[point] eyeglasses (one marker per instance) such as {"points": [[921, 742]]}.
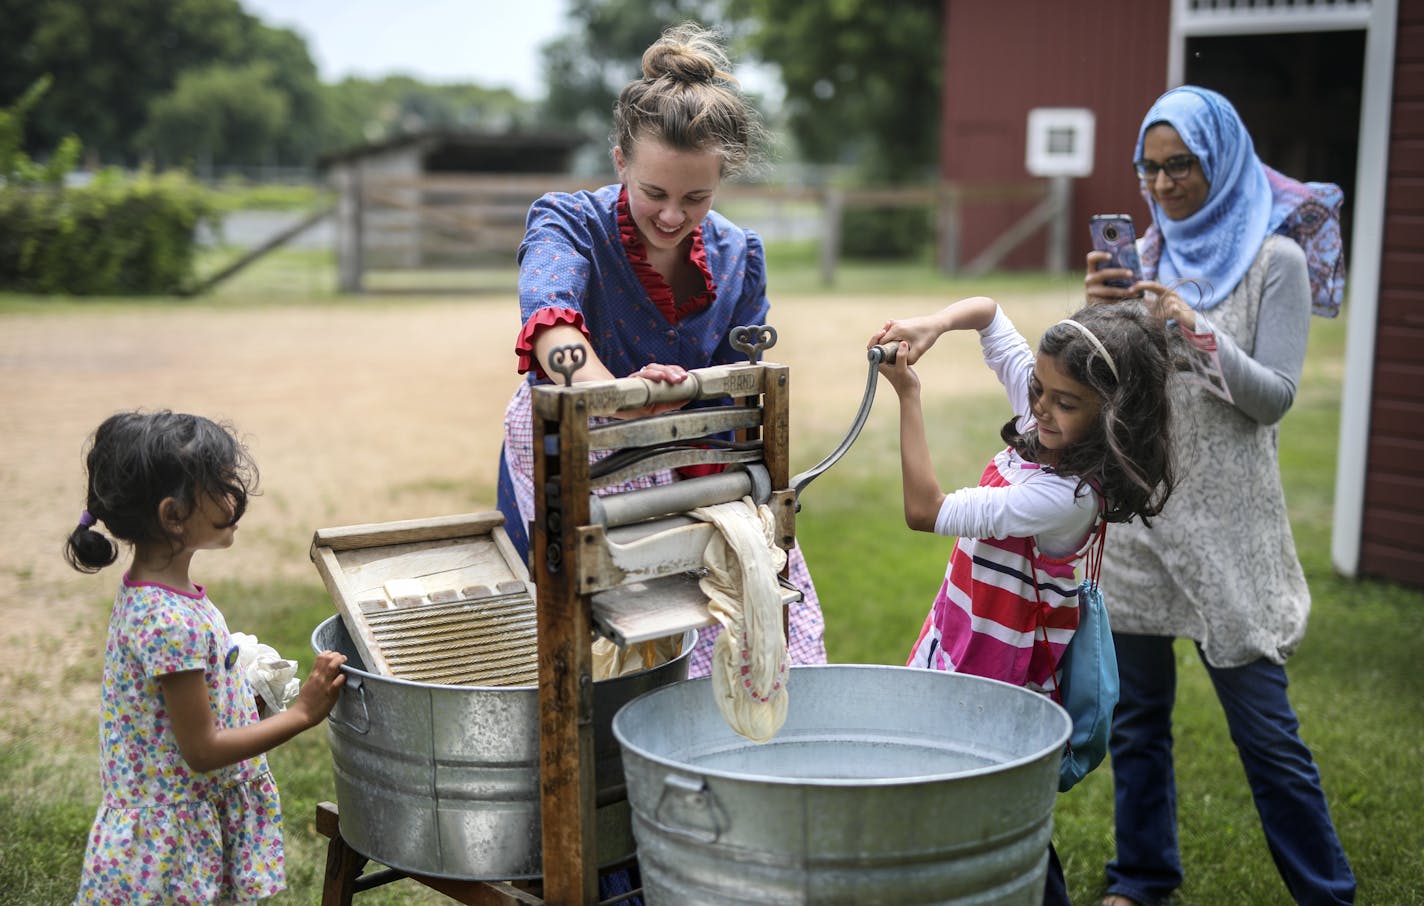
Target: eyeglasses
{"points": [[1176, 168]]}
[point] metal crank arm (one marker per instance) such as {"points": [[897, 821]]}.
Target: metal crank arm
{"points": [[878, 355]]}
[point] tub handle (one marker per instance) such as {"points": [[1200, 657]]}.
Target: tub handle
{"points": [[687, 808], [353, 682]]}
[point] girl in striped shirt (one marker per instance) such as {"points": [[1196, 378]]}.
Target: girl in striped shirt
{"points": [[1088, 445]]}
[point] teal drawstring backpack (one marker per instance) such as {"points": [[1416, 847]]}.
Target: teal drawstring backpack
{"points": [[1087, 686]]}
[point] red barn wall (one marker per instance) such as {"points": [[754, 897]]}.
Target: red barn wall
{"points": [[1004, 59], [1392, 535]]}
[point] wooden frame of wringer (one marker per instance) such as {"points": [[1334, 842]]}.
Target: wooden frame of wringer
{"points": [[624, 564]]}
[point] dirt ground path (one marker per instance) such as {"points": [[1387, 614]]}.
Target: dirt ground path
{"points": [[360, 412]]}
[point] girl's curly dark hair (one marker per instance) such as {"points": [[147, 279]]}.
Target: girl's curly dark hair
{"points": [[1128, 455], [135, 460]]}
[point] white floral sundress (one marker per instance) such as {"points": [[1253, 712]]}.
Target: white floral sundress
{"points": [[165, 833]]}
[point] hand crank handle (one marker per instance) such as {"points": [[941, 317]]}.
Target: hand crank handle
{"points": [[877, 355], [885, 353]]}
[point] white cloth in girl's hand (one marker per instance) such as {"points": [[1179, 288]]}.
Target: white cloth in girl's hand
{"points": [[749, 660], [272, 677]]}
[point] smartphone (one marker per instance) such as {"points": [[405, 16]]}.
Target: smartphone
{"points": [[1113, 233]]}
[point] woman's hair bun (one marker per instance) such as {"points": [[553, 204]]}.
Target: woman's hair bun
{"points": [[678, 64], [687, 99], [686, 53]]}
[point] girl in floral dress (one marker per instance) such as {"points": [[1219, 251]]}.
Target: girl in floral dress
{"points": [[190, 813]]}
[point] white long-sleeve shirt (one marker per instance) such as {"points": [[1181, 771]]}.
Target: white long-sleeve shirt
{"points": [[1044, 504]]}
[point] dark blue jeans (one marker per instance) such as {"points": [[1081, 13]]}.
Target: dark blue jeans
{"points": [[1284, 781], [1055, 885]]}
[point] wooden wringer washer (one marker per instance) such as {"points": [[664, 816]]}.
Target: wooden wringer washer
{"points": [[625, 565]]}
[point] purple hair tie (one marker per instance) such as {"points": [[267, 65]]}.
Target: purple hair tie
{"points": [[86, 519]]}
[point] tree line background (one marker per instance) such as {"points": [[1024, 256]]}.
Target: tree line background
{"points": [[206, 86]]}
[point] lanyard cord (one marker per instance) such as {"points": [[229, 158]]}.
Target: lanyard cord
{"points": [[1093, 556]]}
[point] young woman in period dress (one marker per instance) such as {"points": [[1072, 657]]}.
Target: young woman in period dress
{"points": [[646, 275]]}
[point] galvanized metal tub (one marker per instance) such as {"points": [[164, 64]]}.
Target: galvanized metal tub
{"points": [[886, 785], [444, 780]]}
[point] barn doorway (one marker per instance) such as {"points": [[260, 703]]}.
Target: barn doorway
{"points": [[1299, 94]]}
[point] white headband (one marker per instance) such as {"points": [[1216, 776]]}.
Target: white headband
{"points": [[1097, 344]]}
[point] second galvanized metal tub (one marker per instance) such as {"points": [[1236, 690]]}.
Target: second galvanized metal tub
{"points": [[886, 785], [444, 780]]}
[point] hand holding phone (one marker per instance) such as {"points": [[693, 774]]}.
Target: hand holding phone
{"points": [[1113, 233]]}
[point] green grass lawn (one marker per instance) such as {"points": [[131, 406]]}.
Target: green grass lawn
{"points": [[1355, 683]]}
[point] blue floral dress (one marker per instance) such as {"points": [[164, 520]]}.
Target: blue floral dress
{"points": [[165, 833]]}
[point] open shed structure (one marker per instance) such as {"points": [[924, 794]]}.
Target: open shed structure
{"points": [[441, 200], [1332, 90]]}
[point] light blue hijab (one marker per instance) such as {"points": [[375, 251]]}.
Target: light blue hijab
{"points": [[1216, 245]]}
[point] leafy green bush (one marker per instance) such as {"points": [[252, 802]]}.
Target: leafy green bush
{"points": [[115, 236], [16, 168], [887, 233]]}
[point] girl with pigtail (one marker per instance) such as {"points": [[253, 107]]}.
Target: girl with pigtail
{"points": [[190, 812]]}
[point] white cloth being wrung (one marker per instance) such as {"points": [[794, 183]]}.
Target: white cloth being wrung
{"points": [[749, 659], [271, 676]]}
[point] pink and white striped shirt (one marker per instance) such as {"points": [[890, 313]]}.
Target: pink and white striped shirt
{"points": [[1023, 525]]}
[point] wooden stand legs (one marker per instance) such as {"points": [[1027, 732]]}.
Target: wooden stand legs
{"points": [[344, 877]]}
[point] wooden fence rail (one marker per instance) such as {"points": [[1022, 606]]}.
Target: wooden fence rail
{"points": [[435, 221]]}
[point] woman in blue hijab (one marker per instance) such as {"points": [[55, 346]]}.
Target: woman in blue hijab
{"points": [[1235, 260]]}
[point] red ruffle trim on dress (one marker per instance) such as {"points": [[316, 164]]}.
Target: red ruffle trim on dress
{"points": [[544, 317], [653, 283], [701, 469]]}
